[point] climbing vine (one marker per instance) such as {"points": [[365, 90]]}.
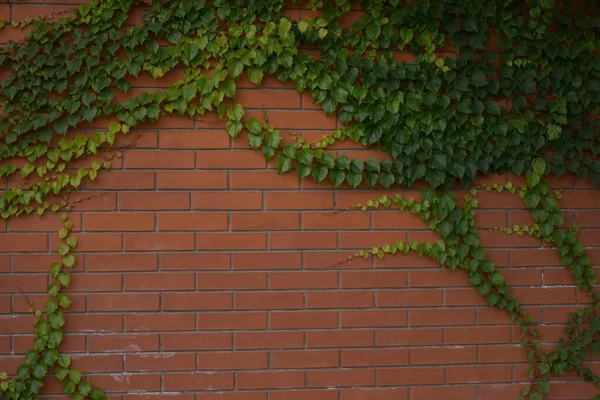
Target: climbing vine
{"points": [[494, 87]]}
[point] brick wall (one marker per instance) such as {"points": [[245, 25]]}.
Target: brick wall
{"points": [[202, 275]]}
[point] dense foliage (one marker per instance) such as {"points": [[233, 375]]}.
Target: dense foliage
{"points": [[494, 86]]}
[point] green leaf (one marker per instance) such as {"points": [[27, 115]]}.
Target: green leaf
{"points": [[234, 127], [255, 75], [543, 386], [283, 163], [539, 166], [373, 165], [254, 126], [50, 356], [302, 26], [75, 375], [235, 112], [304, 170], [337, 177], [319, 172], [64, 360], [532, 199], [305, 156], [373, 31], [478, 79], [354, 179]]}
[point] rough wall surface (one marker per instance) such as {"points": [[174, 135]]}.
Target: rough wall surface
{"points": [[202, 274]]}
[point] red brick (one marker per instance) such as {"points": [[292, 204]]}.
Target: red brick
{"points": [[305, 359], [269, 301], [160, 322], [537, 257], [303, 280], [444, 355], [341, 378], [559, 295], [339, 338], [171, 139], [93, 242], [196, 341], [410, 337], [265, 221], [375, 394], [162, 396], [191, 180], [374, 358], [501, 354], [409, 298], [481, 373], [373, 318], [25, 282], [194, 261], [232, 241], [373, 279], [262, 180], [123, 302], [500, 391], [160, 281], [299, 201], [477, 335], [301, 120], [163, 159], [198, 381], [133, 343], [118, 180], [303, 320], [442, 316], [588, 218], [45, 223], [117, 222], [21, 12], [441, 278], [127, 382], [232, 281], [269, 380], [340, 299], [227, 201], [233, 361], [303, 240], [192, 221], [154, 201], [335, 221], [267, 260], [121, 262], [160, 362], [197, 301], [159, 241], [232, 320], [234, 396], [93, 323], [4, 263], [500, 239], [334, 259], [230, 159], [269, 340], [399, 220], [443, 393], [25, 242], [580, 199], [99, 362], [367, 240]]}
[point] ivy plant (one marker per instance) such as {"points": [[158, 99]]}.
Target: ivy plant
{"points": [[494, 87]]}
